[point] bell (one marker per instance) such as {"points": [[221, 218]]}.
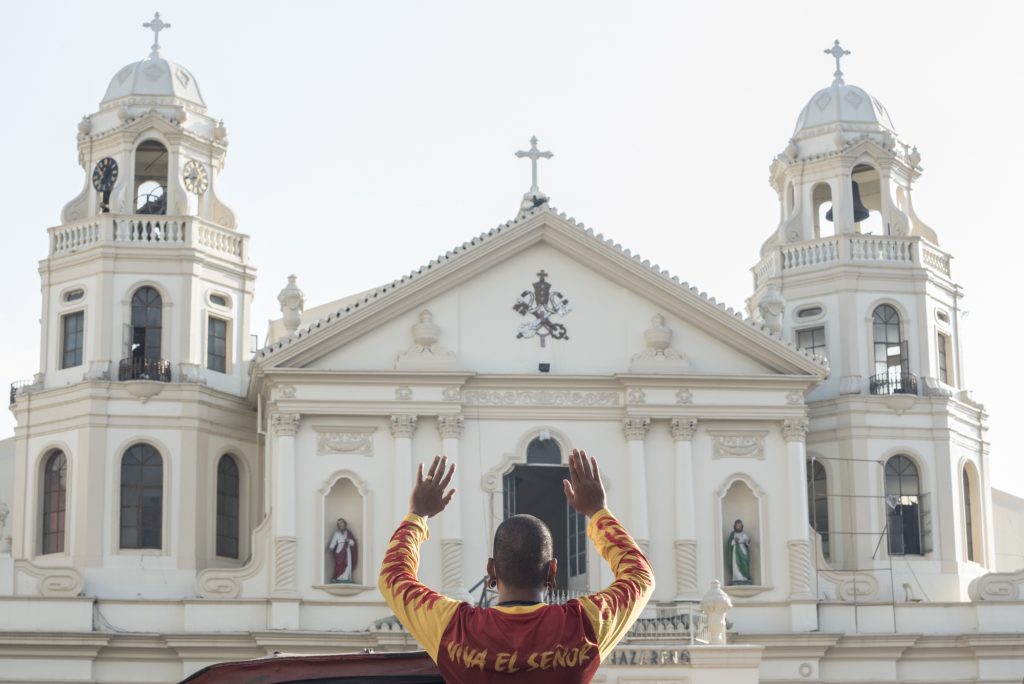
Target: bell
{"points": [[860, 212]]}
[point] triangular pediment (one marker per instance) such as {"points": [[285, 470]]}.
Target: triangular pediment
{"points": [[478, 309]]}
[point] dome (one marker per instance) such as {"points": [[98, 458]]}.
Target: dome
{"points": [[844, 106], [154, 77]]}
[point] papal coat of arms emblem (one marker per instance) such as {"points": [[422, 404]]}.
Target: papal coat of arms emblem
{"points": [[540, 306]]}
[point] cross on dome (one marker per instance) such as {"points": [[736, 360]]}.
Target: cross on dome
{"points": [[837, 53], [533, 154], [156, 25]]}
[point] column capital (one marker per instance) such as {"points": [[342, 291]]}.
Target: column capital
{"points": [[683, 429], [285, 424], [450, 426], [403, 425], [635, 427], [795, 429]]}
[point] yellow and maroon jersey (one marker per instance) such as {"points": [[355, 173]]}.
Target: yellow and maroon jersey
{"points": [[539, 643]]}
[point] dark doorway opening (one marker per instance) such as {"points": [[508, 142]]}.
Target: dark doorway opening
{"points": [[536, 488]]}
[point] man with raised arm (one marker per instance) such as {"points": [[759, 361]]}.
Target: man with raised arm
{"points": [[521, 638]]}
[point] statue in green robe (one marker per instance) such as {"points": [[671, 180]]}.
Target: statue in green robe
{"points": [[737, 555]]}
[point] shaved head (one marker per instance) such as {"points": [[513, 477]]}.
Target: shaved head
{"points": [[522, 551]]}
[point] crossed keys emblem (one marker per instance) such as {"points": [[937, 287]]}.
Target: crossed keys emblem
{"points": [[542, 304]]}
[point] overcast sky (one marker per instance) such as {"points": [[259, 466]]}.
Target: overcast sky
{"points": [[367, 138]]}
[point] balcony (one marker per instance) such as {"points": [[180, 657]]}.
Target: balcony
{"points": [[148, 232], [893, 383], [17, 385], [856, 249], [144, 369]]}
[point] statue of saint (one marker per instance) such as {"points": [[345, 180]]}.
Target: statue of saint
{"points": [[346, 552], [737, 554]]}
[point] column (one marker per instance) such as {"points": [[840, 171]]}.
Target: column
{"points": [[284, 426], [452, 577], [402, 429], [635, 430], [685, 510], [795, 433]]}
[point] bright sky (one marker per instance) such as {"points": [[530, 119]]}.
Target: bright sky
{"points": [[367, 138]]}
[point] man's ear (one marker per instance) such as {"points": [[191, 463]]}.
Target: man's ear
{"points": [[552, 578], [492, 575]]}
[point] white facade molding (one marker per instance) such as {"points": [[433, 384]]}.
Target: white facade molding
{"points": [[350, 440], [738, 443]]}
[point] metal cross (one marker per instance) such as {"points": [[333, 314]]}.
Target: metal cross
{"points": [[156, 25], [533, 154], [837, 53]]}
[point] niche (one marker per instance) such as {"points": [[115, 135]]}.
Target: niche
{"points": [[741, 503], [344, 500]]}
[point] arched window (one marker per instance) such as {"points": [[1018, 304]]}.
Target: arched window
{"points": [[543, 451], [227, 506], [151, 178], [147, 322], [892, 362], [817, 502], [968, 515], [142, 498], [55, 488], [903, 502]]}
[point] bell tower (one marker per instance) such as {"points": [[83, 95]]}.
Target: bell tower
{"points": [[146, 298], [853, 274]]}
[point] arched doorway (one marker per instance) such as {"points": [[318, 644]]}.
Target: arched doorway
{"points": [[536, 488]]}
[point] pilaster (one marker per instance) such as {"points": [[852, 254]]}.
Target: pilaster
{"points": [[635, 429], [685, 541], [453, 580], [284, 426], [794, 431], [403, 427]]}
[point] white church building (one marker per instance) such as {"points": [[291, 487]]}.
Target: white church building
{"points": [[168, 497]]}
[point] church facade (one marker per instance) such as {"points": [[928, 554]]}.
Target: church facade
{"points": [[177, 500]]}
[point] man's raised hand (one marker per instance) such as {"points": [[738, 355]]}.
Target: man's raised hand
{"points": [[584, 489], [428, 494]]}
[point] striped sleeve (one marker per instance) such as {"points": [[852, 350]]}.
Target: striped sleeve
{"points": [[614, 610], [422, 611]]}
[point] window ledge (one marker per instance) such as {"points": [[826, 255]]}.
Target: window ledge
{"points": [[343, 588]]}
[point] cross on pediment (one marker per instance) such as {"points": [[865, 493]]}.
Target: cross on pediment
{"points": [[837, 53], [156, 25], [533, 154]]}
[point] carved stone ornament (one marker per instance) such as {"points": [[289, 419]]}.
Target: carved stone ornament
{"points": [[292, 301], [539, 307], [684, 396], [450, 427], [425, 351], [636, 395], [540, 398], [403, 393], [737, 443], [452, 393], [795, 398], [998, 586], [659, 356], [772, 307], [403, 426], [285, 424], [795, 429], [683, 429], [635, 427], [716, 604], [285, 392], [345, 441]]}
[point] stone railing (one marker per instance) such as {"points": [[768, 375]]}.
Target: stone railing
{"points": [[851, 249], [690, 625], [147, 231]]}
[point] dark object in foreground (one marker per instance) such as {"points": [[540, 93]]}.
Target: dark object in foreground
{"points": [[393, 668]]}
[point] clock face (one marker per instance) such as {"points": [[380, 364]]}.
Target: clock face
{"points": [[195, 177], [104, 175]]}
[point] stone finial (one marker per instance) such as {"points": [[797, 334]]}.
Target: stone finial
{"points": [[85, 125], [716, 604], [220, 131], [425, 332], [292, 302], [914, 157], [156, 25], [772, 306], [659, 356], [534, 197]]}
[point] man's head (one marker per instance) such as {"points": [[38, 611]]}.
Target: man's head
{"points": [[522, 554], [342, 524]]}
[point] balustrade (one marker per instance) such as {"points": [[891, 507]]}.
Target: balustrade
{"points": [[17, 385], [893, 383], [860, 249], [146, 231]]}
